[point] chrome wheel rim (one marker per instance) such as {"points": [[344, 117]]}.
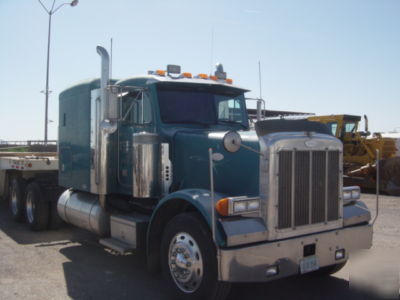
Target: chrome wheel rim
{"points": [[30, 207], [185, 262], [14, 202]]}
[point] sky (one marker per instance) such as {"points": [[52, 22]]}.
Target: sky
{"points": [[317, 56]]}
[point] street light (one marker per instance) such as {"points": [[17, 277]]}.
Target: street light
{"points": [[50, 12]]}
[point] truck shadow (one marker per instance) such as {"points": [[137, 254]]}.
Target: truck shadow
{"points": [[299, 288], [21, 234], [95, 273]]}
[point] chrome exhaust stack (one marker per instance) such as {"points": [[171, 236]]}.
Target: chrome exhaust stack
{"points": [[104, 80], [107, 124]]}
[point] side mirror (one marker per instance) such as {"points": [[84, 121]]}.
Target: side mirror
{"points": [[232, 141]]}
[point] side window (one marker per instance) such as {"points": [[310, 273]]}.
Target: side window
{"points": [[230, 109], [136, 108], [145, 109], [350, 127], [333, 127], [223, 110]]}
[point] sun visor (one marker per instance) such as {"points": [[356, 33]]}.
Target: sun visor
{"points": [[270, 126]]}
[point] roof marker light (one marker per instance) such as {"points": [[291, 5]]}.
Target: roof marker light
{"points": [[160, 72], [187, 75], [202, 76]]}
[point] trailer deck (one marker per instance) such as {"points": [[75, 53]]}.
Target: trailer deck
{"points": [[26, 162]]}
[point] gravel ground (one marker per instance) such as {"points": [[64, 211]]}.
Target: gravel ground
{"points": [[69, 263]]}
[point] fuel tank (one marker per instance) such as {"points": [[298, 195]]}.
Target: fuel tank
{"points": [[83, 210]]}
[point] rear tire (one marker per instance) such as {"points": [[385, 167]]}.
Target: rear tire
{"points": [[37, 208], [17, 198], [189, 261], [55, 221]]}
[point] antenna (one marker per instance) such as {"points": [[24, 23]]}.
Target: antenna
{"points": [[111, 55], [259, 77], [260, 101], [212, 50]]}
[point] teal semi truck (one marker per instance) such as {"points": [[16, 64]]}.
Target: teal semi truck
{"points": [[167, 163]]}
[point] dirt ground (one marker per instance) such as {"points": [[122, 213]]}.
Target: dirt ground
{"points": [[69, 263]]}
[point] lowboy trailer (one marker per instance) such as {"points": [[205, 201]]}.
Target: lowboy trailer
{"points": [[167, 163]]}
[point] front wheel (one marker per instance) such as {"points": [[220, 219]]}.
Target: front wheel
{"points": [[189, 260]]}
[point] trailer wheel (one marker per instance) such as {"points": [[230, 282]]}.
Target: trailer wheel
{"points": [[17, 198], [37, 207], [55, 221], [189, 261]]}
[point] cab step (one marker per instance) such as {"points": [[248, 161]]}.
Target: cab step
{"points": [[128, 233], [117, 245]]}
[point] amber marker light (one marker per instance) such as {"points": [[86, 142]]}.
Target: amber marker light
{"points": [[203, 76], [222, 206], [187, 75], [160, 72]]}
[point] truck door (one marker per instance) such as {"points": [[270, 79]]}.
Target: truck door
{"points": [[135, 116]]}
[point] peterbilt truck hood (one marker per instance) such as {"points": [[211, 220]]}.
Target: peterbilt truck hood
{"points": [[236, 174]]}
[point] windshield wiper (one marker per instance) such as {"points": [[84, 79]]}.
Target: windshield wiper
{"points": [[226, 121]]}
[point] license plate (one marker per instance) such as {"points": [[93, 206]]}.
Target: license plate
{"points": [[308, 264]]}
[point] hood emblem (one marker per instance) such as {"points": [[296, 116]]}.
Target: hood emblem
{"points": [[311, 143], [217, 156]]}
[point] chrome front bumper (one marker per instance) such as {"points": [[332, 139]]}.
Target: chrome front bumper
{"points": [[249, 263]]}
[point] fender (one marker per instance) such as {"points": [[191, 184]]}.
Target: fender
{"points": [[200, 199]]}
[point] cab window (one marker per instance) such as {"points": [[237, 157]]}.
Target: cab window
{"points": [[229, 109], [136, 108], [333, 127], [349, 127]]}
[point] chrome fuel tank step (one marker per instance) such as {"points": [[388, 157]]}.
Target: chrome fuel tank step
{"points": [[129, 229]]}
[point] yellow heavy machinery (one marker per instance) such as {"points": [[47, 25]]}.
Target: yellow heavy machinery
{"points": [[359, 153]]}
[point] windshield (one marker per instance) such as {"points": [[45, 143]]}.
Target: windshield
{"points": [[333, 127], [205, 107], [350, 127]]}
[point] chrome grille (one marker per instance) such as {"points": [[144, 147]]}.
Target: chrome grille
{"points": [[308, 188]]}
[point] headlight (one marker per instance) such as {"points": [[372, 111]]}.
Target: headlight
{"points": [[351, 194], [253, 205], [346, 194], [237, 206], [355, 194]]}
